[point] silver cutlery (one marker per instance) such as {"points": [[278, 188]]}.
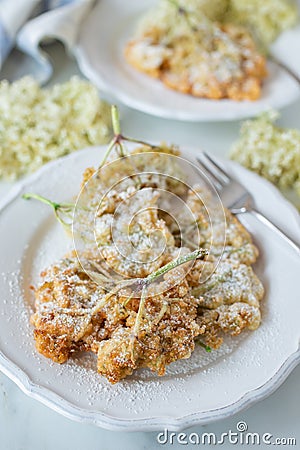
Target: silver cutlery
{"points": [[287, 69], [236, 197]]}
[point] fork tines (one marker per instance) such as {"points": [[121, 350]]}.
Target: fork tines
{"points": [[213, 170]]}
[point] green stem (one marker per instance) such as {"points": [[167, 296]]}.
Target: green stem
{"points": [[138, 141], [64, 208], [142, 283], [119, 138], [121, 149], [42, 199], [175, 3], [110, 147], [140, 312], [162, 312], [127, 300], [188, 15], [115, 118], [183, 12], [197, 254], [207, 348]]}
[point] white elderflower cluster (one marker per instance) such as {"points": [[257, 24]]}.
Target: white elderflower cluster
{"points": [[269, 150], [265, 19], [38, 125]]}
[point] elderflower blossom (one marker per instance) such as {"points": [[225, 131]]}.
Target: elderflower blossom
{"points": [[270, 151], [265, 19], [39, 125]]}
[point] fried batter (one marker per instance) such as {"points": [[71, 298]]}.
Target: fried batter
{"points": [[229, 299], [147, 310], [68, 319], [237, 244], [193, 55]]}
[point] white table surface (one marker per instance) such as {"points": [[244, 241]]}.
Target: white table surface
{"points": [[26, 424]]}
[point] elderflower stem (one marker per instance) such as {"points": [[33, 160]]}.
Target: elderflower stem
{"points": [[115, 118], [116, 140], [108, 151], [127, 300], [42, 199], [140, 312], [184, 12], [119, 138], [200, 253], [141, 283], [65, 208], [175, 3], [197, 254], [138, 141], [207, 348], [45, 200]]}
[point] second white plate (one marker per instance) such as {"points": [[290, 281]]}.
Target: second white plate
{"points": [[100, 55]]}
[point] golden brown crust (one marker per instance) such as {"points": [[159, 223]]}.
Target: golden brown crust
{"points": [[64, 323], [229, 300], [154, 325], [227, 65], [158, 343]]}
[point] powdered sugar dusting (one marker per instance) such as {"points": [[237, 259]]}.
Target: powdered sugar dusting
{"points": [[190, 386], [78, 378]]}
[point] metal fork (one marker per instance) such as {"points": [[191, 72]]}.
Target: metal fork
{"points": [[236, 197]]}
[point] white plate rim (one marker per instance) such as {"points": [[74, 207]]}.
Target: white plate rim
{"points": [[67, 409]]}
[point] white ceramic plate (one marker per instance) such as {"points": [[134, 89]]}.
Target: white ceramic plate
{"points": [[100, 56], [202, 389]]}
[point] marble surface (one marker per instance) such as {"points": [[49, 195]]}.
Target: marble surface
{"points": [[25, 424]]}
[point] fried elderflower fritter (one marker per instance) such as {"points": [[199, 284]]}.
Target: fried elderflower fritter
{"points": [[75, 314], [216, 295], [143, 289], [229, 299], [194, 55]]}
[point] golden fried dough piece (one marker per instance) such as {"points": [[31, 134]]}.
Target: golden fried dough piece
{"points": [[119, 308], [64, 301], [225, 284], [195, 56], [166, 334], [229, 299], [68, 318], [139, 236], [232, 319], [220, 232]]}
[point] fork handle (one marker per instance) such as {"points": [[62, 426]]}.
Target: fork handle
{"points": [[283, 66], [275, 228]]}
